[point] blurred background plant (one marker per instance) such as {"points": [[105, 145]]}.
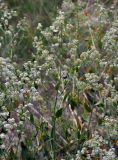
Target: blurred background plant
{"points": [[18, 22], [37, 11]]}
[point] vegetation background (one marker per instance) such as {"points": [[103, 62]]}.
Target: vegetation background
{"points": [[59, 79]]}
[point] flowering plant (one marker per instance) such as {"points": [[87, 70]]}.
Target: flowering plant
{"points": [[61, 103]]}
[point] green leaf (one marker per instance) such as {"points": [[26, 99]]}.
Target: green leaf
{"points": [[65, 97], [59, 113], [67, 134], [87, 107], [26, 154], [82, 138], [73, 103], [65, 82], [100, 103], [78, 134], [57, 85], [32, 118]]}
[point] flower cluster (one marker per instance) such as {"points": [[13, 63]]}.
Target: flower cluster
{"points": [[96, 148], [110, 42], [13, 32]]}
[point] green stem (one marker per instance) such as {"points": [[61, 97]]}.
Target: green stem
{"points": [[92, 38], [53, 136]]}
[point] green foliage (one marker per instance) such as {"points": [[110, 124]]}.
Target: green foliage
{"points": [[39, 10]]}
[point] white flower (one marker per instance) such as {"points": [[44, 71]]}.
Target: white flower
{"points": [[11, 120], [2, 135], [83, 150], [39, 26], [30, 105], [14, 125], [8, 32], [6, 22], [4, 114], [2, 146], [7, 126]]}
